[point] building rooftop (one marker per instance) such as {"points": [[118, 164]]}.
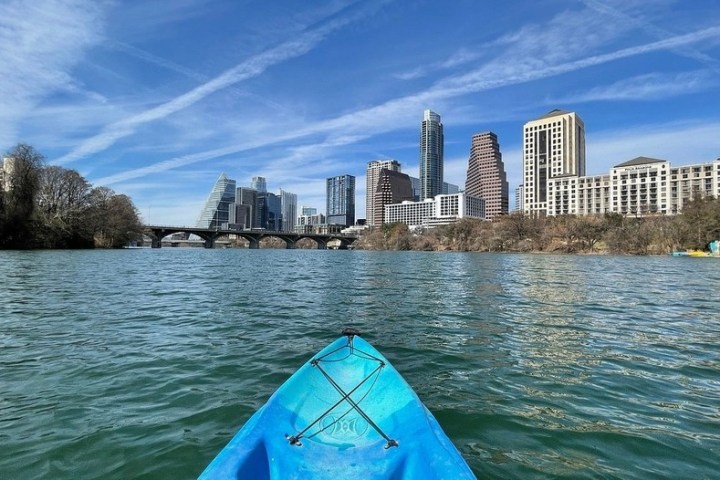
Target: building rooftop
{"points": [[640, 161], [553, 113]]}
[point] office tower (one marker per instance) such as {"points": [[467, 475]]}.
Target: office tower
{"points": [[246, 208], [341, 200], [372, 175], [216, 213], [288, 211], [554, 146], [431, 155], [392, 186], [450, 188], [259, 184], [519, 198], [415, 182], [269, 211], [486, 176], [308, 211]]}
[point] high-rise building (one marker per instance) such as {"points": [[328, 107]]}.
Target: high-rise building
{"points": [[269, 213], [415, 182], [372, 175], [259, 184], [519, 198], [486, 176], [431, 155], [341, 200], [245, 208], [216, 213], [288, 210], [308, 211], [450, 188], [554, 146], [392, 186]]}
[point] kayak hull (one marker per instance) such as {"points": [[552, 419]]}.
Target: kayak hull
{"points": [[345, 414]]}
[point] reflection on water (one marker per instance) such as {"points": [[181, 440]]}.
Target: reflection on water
{"points": [[144, 363]]}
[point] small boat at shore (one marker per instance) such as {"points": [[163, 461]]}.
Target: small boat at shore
{"points": [[712, 251], [345, 414]]}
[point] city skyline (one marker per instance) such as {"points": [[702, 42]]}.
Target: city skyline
{"points": [[156, 100]]}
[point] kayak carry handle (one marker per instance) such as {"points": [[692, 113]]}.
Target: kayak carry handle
{"points": [[351, 332]]}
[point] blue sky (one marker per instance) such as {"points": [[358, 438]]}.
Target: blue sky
{"points": [[156, 99]]}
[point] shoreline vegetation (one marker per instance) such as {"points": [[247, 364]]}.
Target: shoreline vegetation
{"points": [[51, 207], [611, 233]]}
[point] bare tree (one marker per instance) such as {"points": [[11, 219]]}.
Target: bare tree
{"points": [[114, 218], [62, 205], [18, 197]]}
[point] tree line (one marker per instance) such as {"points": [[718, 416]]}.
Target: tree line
{"points": [[45, 206], [694, 228]]}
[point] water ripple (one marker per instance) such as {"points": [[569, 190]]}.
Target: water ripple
{"points": [[142, 364]]}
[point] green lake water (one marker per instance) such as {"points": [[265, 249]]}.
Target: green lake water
{"points": [[144, 363]]}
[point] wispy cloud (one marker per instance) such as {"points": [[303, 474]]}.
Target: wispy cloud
{"points": [[40, 42], [459, 58], [495, 76], [250, 68], [668, 141], [648, 27], [361, 124], [652, 86]]}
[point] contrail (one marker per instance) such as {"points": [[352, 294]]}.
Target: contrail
{"points": [[247, 69]]}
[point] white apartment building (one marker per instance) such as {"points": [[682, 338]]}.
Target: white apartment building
{"points": [[686, 181], [641, 186], [553, 147], [440, 210]]}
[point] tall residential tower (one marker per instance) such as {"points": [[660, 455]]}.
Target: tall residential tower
{"points": [[431, 155], [341, 200], [486, 176], [372, 176], [554, 146]]}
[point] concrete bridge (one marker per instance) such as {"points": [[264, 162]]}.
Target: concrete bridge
{"points": [[158, 232]]}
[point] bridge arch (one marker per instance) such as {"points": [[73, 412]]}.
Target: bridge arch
{"points": [[157, 233]]}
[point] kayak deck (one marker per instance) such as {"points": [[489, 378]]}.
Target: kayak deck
{"points": [[345, 414]]}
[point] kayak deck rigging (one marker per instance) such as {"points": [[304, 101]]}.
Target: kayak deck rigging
{"points": [[345, 396]]}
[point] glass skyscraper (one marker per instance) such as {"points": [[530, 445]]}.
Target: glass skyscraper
{"points": [[269, 212], [431, 155], [341, 200], [288, 207], [216, 213], [259, 184]]}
